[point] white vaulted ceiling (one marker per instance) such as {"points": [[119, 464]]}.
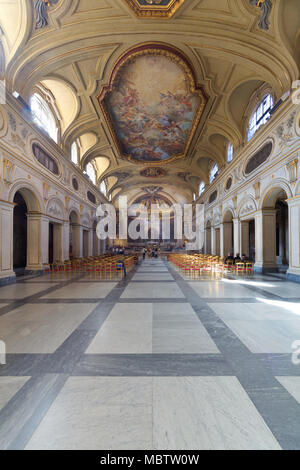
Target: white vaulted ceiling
{"points": [[74, 56]]}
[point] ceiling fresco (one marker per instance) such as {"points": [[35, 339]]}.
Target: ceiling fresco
{"points": [[154, 106], [154, 8], [153, 172]]}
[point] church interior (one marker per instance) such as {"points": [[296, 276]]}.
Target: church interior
{"points": [[162, 341]]}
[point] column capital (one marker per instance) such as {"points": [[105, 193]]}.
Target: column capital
{"points": [[294, 201]]}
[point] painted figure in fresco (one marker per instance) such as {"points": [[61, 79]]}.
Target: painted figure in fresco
{"points": [[152, 109]]}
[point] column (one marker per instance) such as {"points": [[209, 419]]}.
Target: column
{"points": [[6, 242], [236, 237], [77, 241], [44, 240], [213, 241], [91, 243], [66, 241], [97, 247], [37, 241], [265, 240], [217, 236], [222, 251], [244, 237], [227, 237], [293, 273], [58, 242]]}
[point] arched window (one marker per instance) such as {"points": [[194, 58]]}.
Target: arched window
{"points": [[103, 188], [260, 116], [230, 152], [43, 116], [91, 172], [201, 188], [74, 153], [213, 173]]}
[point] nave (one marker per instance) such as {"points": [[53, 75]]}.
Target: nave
{"points": [[153, 361]]}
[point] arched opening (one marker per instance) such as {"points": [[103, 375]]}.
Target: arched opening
{"points": [[228, 234], [19, 234], [282, 235]]}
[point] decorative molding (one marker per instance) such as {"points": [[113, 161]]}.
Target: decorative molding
{"points": [[8, 173], [265, 7], [248, 207], [45, 191], [174, 55], [257, 187], [292, 170], [154, 8], [286, 132], [41, 9]]}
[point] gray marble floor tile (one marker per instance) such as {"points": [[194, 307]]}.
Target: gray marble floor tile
{"points": [[207, 413]]}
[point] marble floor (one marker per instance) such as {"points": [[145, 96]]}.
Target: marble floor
{"points": [[156, 361]]}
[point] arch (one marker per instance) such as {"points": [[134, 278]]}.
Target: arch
{"points": [[274, 192], [74, 216], [30, 194], [228, 215]]}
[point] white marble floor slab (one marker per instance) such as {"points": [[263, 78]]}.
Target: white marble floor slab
{"points": [[258, 311], [292, 385], [83, 290], [19, 291], [284, 289], [219, 289], [206, 413], [259, 335], [127, 330], [177, 330], [95, 413], [152, 291], [41, 328], [152, 277], [9, 386]]}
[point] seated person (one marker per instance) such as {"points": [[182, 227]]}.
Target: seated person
{"points": [[229, 258], [245, 258], [237, 259]]}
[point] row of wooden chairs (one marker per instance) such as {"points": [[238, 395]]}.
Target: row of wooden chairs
{"points": [[196, 265], [104, 266]]}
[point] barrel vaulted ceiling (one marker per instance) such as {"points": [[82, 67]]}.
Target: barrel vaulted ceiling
{"points": [[154, 90]]}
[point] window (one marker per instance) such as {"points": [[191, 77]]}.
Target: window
{"points": [[74, 153], [260, 116], [91, 172], [43, 116], [194, 197], [103, 188], [213, 173], [230, 153], [201, 188]]}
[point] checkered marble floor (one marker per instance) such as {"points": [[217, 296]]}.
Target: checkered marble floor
{"points": [[155, 361]]}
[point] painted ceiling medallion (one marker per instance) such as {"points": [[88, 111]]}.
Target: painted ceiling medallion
{"points": [[153, 172], [153, 104], [154, 8]]}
